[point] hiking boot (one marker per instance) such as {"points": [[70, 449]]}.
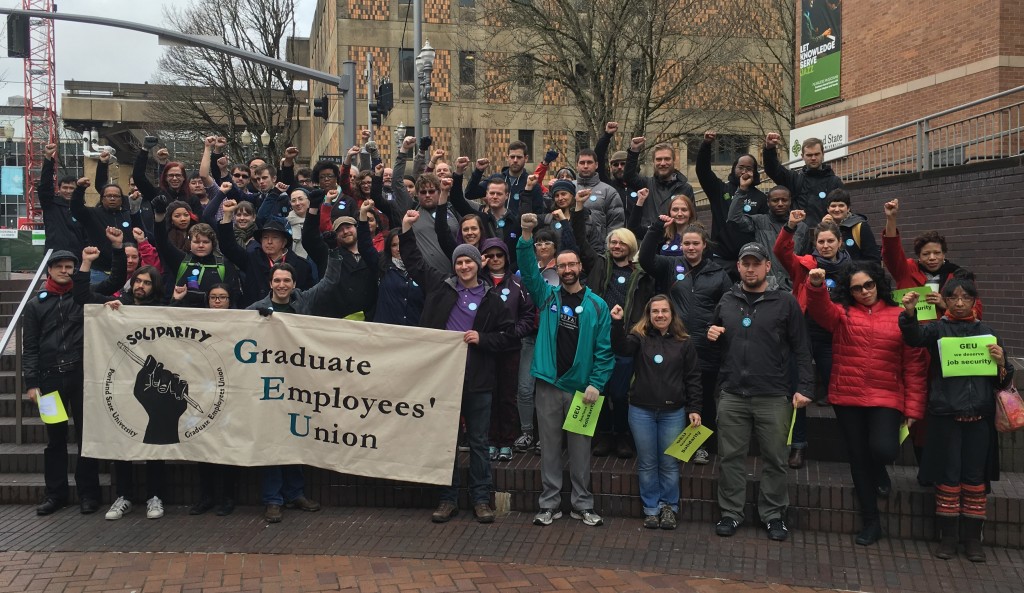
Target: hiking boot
{"points": [[668, 518], [273, 513], [120, 508], [701, 457], [651, 522], [948, 528], [483, 513], [972, 539], [303, 504], [445, 511]]}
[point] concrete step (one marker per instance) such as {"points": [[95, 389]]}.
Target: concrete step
{"points": [[8, 403], [29, 488], [33, 430], [821, 494]]}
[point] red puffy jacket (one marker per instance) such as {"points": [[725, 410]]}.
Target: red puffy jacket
{"points": [[905, 271], [871, 365]]}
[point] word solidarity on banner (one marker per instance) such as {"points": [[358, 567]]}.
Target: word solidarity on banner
{"points": [[236, 388], [967, 357]]}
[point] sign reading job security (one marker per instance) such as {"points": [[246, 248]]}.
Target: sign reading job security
{"points": [[235, 388], [967, 357]]}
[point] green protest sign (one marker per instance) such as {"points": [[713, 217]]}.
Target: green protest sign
{"points": [[967, 357], [925, 311], [582, 418], [688, 441]]}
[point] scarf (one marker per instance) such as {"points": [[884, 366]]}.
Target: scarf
{"points": [[57, 289], [833, 267], [949, 315], [242, 236], [945, 271], [398, 263]]}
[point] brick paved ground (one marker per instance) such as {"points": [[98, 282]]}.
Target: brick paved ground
{"points": [[324, 551]]}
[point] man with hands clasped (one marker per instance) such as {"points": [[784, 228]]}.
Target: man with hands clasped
{"points": [[573, 353], [759, 332]]}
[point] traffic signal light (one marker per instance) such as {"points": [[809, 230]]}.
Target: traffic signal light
{"points": [[375, 116], [320, 107], [18, 44], [385, 98]]}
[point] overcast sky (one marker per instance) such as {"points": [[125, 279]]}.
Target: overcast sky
{"points": [[94, 53]]}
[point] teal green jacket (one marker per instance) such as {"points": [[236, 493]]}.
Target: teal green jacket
{"points": [[594, 358]]}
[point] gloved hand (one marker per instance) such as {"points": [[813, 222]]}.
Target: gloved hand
{"points": [[550, 156], [159, 204], [316, 198], [425, 143]]}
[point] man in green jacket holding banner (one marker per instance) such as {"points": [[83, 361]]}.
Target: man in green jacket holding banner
{"points": [[573, 354]]}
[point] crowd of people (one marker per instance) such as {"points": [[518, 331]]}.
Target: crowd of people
{"points": [[600, 281]]}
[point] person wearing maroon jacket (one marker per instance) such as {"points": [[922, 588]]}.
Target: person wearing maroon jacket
{"points": [[877, 380]]}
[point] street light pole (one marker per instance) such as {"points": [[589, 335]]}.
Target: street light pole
{"points": [[417, 43], [424, 68]]}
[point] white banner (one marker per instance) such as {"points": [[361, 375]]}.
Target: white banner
{"points": [[831, 132], [236, 388]]}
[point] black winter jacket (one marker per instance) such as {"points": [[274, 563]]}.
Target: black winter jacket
{"points": [[756, 356], [666, 370], [493, 321], [967, 396], [357, 290], [598, 268], [95, 220], [694, 299], [661, 190], [727, 239], [62, 229], [255, 265], [809, 187]]}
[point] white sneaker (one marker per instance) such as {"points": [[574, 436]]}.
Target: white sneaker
{"points": [[154, 508], [588, 516], [117, 510]]}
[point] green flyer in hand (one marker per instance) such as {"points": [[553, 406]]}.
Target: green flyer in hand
{"points": [[582, 418], [688, 441]]}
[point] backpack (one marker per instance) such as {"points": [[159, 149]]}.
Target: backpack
{"points": [[187, 263]]}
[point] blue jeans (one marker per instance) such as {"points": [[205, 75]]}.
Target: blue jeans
{"points": [[476, 409], [653, 431], [281, 483], [527, 383]]}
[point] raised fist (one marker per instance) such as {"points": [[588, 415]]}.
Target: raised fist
{"points": [[90, 254], [611, 127], [528, 222], [616, 313], [816, 277], [84, 182], [408, 143], [796, 217], [481, 164], [641, 195], [51, 152], [892, 208], [637, 144], [709, 136], [746, 180], [772, 140]]}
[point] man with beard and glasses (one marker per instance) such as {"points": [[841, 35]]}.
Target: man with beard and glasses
{"points": [[573, 353]]}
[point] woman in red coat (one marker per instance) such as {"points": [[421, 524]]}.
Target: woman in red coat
{"points": [[876, 381]]}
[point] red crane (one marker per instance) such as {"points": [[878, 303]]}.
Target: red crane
{"points": [[40, 102]]}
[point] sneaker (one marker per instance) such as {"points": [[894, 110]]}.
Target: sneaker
{"points": [[547, 517], [201, 506], [524, 443], [726, 527], [536, 448], [492, 453], [154, 508], [651, 522], [588, 516], [777, 531], [120, 507], [701, 457], [505, 454], [668, 518]]}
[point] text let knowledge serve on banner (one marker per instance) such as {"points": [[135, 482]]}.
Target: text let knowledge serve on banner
{"points": [[235, 388]]}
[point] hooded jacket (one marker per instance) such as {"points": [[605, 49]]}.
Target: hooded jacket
{"points": [[871, 365], [95, 220], [493, 321], [661, 190], [756, 355], [858, 239], [667, 375], [721, 195], [306, 302], [766, 228], [594, 359], [606, 211], [799, 266], [515, 296], [809, 187]]}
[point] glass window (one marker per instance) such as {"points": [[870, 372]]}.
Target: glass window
{"points": [[526, 137], [406, 65], [726, 148], [467, 68]]}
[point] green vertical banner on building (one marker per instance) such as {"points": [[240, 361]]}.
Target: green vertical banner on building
{"points": [[820, 44]]}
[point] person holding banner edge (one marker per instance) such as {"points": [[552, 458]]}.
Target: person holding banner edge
{"points": [[572, 354], [464, 303], [961, 452], [663, 359]]}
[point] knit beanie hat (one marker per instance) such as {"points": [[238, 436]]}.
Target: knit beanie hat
{"points": [[562, 185], [469, 251]]}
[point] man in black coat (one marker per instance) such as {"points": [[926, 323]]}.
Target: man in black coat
{"points": [[465, 303]]}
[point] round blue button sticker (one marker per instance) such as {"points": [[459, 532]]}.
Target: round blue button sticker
{"points": [[126, 224], [658, 359], [747, 321], [472, 306], [821, 195], [747, 208], [501, 224], [622, 280], [849, 242]]}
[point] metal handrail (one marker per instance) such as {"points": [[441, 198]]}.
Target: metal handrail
{"points": [[14, 329]]}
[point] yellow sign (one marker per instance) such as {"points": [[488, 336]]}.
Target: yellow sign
{"points": [[582, 418], [51, 408], [792, 423], [904, 432], [967, 357], [688, 441]]}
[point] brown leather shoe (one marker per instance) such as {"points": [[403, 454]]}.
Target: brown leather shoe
{"points": [[483, 513], [796, 458], [303, 504], [273, 514], [602, 445], [445, 511]]}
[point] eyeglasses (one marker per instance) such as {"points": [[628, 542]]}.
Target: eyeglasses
{"points": [[953, 299], [240, 175], [175, 175], [869, 285], [619, 164], [427, 192], [497, 255], [543, 243], [305, 181], [326, 176], [568, 266], [744, 168], [218, 297]]}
